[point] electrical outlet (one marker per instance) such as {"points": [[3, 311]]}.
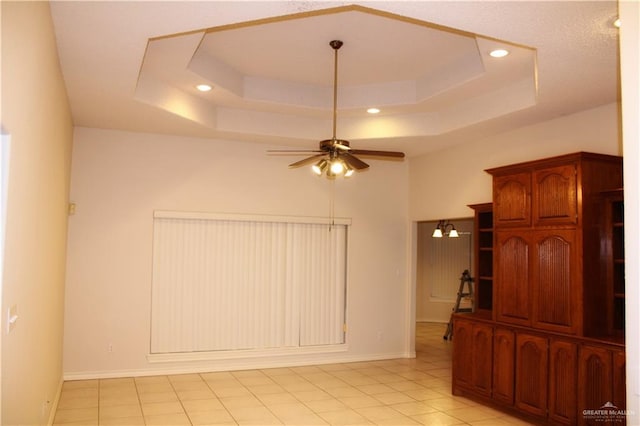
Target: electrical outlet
{"points": [[110, 348]]}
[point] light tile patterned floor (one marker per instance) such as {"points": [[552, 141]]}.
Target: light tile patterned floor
{"points": [[394, 392]]}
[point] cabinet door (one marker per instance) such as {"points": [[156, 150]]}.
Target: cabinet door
{"points": [[512, 298], [619, 380], [512, 200], [594, 381], [503, 365], [531, 374], [563, 374], [555, 200], [483, 354], [556, 296], [462, 360]]}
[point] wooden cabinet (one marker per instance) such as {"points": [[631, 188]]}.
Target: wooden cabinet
{"points": [[595, 380], [548, 376], [531, 374], [563, 374], [612, 244], [473, 349], [556, 320], [503, 365], [555, 195], [483, 256], [512, 277], [555, 290], [601, 378], [512, 200], [548, 221], [536, 283]]}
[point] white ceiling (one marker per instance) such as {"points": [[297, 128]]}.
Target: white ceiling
{"points": [[133, 66]]}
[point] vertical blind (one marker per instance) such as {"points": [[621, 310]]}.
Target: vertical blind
{"points": [[231, 282]]}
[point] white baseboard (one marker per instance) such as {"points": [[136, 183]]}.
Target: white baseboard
{"points": [[241, 364], [54, 404]]}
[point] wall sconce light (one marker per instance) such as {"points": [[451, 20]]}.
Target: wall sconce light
{"points": [[443, 228]]}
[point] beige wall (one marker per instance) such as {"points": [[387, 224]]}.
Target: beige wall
{"points": [[35, 113], [120, 178], [441, 185]]}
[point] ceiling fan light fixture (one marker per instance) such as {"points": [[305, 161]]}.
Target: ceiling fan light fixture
{"points": [[348, 171], [320, 167]]}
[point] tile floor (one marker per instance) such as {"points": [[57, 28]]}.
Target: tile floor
{"points": [[393, 392]]}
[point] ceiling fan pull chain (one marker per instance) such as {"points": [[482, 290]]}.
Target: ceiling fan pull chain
{"points": [[332, 204]]}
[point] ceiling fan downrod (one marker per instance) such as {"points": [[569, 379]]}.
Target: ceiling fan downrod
{"points": [[336, 45]]}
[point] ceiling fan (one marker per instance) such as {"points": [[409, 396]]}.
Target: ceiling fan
{"points": [[335, 157]]}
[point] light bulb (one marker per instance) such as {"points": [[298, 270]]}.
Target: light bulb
{"points": [[337, 167]]}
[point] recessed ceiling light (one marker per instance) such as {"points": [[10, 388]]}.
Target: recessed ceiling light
{"points": [[499, 53], [203, 87], [373, 110]]}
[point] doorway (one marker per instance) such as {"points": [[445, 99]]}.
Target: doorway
{"points": [[439, 266]]}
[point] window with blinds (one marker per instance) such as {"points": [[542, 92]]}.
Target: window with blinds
{"points": [[235, 282]]}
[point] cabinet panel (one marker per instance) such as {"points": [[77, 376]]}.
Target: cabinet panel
{"points": [[503, 365], [619, 379], [472, 356], [555, 297], [512, 200], [563, 374], [595, 382], [482, 350], [512, 296], [462, 360], [555, 200], [531, 374]]}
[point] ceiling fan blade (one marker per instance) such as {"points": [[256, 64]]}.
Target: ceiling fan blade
{"points": [[353, 162], [367, 152], [307, 160], [291, 151]]}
